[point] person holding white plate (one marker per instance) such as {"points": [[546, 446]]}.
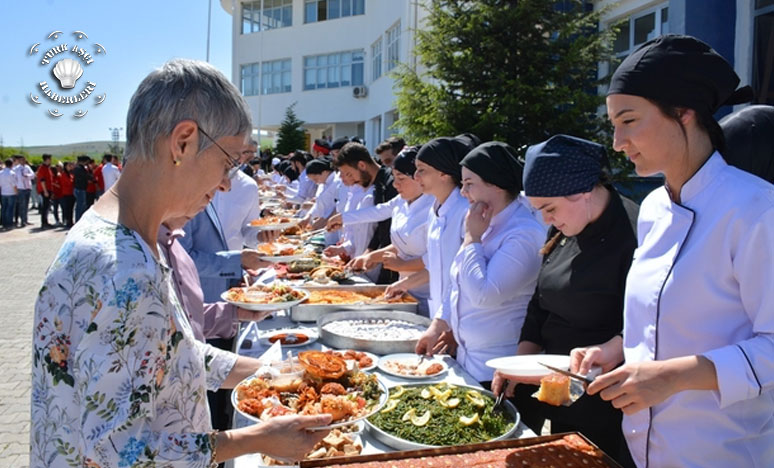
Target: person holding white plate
{"points": [[580, 287]]}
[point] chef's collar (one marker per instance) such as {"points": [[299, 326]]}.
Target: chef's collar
{"points": [[606, 220]]}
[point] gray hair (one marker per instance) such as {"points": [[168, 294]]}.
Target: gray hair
{"points": [[183, 90]]}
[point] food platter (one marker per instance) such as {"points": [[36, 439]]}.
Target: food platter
{"points": [[289, 338], [237, 297], [381, 342], [283, 258], [444, 413], [362, 358], [310, 312], [274, 224], [258, 398], [404, 366], [528, 365]]}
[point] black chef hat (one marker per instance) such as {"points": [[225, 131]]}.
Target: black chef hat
{"points": [[445, 154], [405, 161], [318, 166], [681, 71], [496, 163], [749, 135], [562, 165], [339, 143], [321, 146]]}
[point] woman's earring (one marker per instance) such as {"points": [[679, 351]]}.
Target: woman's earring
{"points": [[177, 162]]}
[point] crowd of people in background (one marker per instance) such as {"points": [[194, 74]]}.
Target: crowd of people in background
{"points": [[64, 190]]}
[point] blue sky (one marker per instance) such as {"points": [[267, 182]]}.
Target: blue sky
{"points": [[138, 36]]}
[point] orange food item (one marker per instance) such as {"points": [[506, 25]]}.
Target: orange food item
{"points": [[433, 369], [269, 220], [335, 296], [322, 365], [289, 338], [554, 389]]}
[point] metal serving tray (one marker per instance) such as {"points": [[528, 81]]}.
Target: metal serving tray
{"points": [[385, 458], [402, 444], [374, 345], [311, 312]]}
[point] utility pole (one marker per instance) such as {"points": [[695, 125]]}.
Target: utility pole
{"points": [[209, 21]]}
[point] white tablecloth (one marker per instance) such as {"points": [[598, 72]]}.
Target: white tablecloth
{"points": [[456, 374]]}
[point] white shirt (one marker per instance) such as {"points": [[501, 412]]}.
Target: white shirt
{"points": [[7, 181], [110, 174], [491, 284], [701, 284], [445, 232], [325, 200], [408, 230], [356, 237], [23, 175], [306, 186], [236, 208]]}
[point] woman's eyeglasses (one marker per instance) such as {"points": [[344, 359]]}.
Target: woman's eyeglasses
{"points": [[234, 162]]}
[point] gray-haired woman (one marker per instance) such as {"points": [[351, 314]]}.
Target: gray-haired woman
{"points": [[118, 378]]}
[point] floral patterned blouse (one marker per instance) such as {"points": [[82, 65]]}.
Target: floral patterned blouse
{"points": [[118, 379]]}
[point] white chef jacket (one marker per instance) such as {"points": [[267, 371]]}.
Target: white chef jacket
{"points": [[24, 175], [325, 199], [408, 231], [110, 174], [236, 208], [356, 237], [7, 182], [491, 284], [445, 232], [701, 283]]}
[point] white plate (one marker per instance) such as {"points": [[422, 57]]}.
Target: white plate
{"points": [[382, 400], [411, 358], [283, 258], [264, 339], [265, 307], [276, 227], [527, 365]]}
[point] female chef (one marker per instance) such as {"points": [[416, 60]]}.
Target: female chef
{"points": [[697, 386], [408, 230], [580, 288], [495, 271], [439, 173]]}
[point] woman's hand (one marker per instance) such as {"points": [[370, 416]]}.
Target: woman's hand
{"points": [[640, 385], [251, 260], [477, 221], [335, 223], [431, 341], [335, 251], [498, 384], [607, 356], [396, 289], [361, 263]]}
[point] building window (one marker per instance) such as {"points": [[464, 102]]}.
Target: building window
{"points": [[639, 29], [275, 77], [393, 46], [266, 14], [376, 59], [250, 79], [763, 52], [322, 10], [334, 70]]}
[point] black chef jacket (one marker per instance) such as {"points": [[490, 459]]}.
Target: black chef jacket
{"points": [[383, 191]]}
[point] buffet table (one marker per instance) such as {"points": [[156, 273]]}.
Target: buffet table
{"points": [[248, 344]]}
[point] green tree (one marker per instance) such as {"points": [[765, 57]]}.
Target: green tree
{"points": [[291, 134], [517, 71]]}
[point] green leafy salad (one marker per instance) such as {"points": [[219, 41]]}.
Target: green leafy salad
{"points": [[441, 414]]}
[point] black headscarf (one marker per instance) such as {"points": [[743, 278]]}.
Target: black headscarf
{"points": [[405, 160], [681, 71], [318, 166], [496, 163], [749, 137], [562, 165], [290, 173], [445, 154], [339, 143]]}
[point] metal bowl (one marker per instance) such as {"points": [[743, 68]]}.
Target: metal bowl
{"points": [[372, 345], [403, 444]]}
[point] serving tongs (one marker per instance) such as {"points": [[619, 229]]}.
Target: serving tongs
{"points": [[584, 379]]}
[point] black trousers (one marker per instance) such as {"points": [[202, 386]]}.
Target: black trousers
{"points": [[221, 411], [590, 415], [44, 207], [68, 203]]}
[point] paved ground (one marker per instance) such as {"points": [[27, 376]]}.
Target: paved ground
{"points": [[24, 256]]}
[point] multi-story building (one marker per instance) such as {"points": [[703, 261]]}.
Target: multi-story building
{"points": [[333, 57]]}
